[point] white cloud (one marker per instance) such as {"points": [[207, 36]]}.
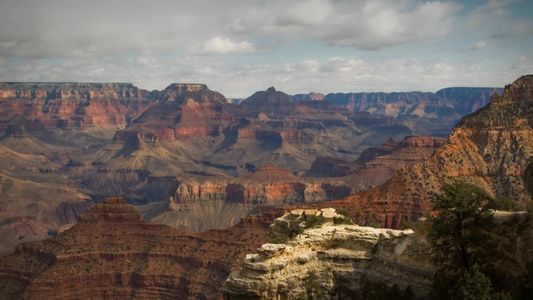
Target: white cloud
{"points": [[220, 45], [360, 24], [483, 44], [76, 28], [154, 43]]}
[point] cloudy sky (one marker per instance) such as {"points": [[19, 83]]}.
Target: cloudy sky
{"points": [[238, 47]]}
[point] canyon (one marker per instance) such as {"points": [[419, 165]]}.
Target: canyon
{"points": [[112, 252], [490, 148], [69, 145]]}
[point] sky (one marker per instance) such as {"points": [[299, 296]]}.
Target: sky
{"points": [[238, 47]]}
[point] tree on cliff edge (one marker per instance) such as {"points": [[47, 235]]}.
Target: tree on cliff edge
{"points": [[461, 242], [463, 213]]}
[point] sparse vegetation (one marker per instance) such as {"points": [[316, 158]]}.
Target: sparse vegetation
{"points": [[277, 238], [341, 220], [459, 231], [312, 221]]}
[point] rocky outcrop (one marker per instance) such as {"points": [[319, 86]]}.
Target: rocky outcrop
{"points": [[112, 253], [334, 260], [331, 261]]}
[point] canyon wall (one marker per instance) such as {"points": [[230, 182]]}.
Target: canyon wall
{"points": [[489, 148]]}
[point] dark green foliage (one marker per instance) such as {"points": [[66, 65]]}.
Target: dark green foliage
{"points": [[461, 243], [472, 284], [407, 224], [342, 220], [374, 224], [524, 284], [459, 229], [353, 213], [441, 286], [381, 291], [313, 221], [277, 238], [505, 203], [528, 176]]}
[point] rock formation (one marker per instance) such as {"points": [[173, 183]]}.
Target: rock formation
{"points": [[101, 139], [334, 260], [112, 253], [489, 148], [201, 203], [308, 97], [419, 111], [449, 102]]}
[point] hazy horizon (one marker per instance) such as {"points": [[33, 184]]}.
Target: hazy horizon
{"points": [[239, 47]]}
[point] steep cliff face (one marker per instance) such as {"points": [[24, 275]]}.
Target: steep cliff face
{"points": [[424, 113], [446, 103], [489, 148], [467, 100], [377, 164], [202, 203], [111, 253], [334, 261], [308, 97], [39, 106]]}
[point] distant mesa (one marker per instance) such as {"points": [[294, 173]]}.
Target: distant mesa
{"points": [[187, 87]]}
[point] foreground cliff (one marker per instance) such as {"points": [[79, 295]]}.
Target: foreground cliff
{"points": [[333, 260]]}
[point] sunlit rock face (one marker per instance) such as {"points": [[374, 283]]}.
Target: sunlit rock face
{"points": [[489, 148], [334, 260]]}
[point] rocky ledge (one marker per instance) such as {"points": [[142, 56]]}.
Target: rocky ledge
{"points": [[315, 254], [331, 260]]}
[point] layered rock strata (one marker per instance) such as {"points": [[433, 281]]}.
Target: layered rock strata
{"points": [[335, 260], [489, 148], [202, 203], [112, 253]]}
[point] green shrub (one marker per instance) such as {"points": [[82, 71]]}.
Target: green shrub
{"points": [[312, 221], [341, 220], [277, 238]]}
